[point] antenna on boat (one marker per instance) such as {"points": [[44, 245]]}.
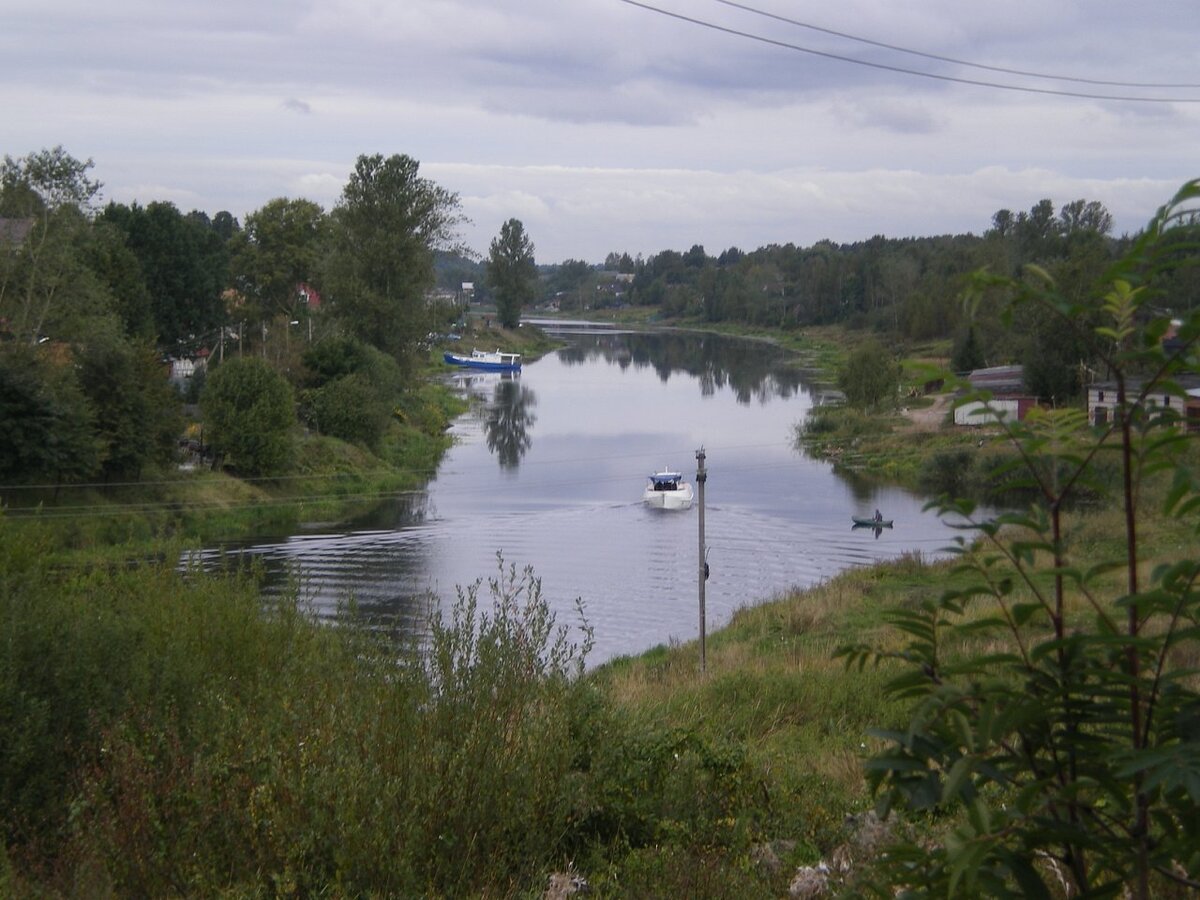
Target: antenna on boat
{"points": [[701, 478]]}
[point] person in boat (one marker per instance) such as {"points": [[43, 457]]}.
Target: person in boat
{"points": [[878, 516]]}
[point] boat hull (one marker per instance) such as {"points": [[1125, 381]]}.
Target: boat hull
{"points": [[677, 499], [480, 362], [871, 523]]}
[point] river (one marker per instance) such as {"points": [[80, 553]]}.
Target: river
{"points": [[548, 469]]}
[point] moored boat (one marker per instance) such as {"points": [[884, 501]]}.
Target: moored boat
{"points": [[495, 361], [667, 490], [868, 522]]}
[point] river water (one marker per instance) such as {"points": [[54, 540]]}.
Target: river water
{"points": [[548, 471]]}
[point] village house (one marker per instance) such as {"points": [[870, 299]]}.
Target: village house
{"points": [[1102, 401], [1010, 399]]}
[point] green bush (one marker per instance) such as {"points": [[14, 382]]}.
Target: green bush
{"points": [[352, 390], [350, 408], [1052, 748], [948, 472], [249, 416]]}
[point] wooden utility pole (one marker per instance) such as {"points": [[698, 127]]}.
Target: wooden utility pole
{"points": [[701, 477]]}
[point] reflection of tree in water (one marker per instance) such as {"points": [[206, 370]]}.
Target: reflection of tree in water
{"points": [[752, 370], [509, 418]]}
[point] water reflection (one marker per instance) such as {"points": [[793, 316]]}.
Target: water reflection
{"points": [[751, 370], [509, 418], [878, 529]]}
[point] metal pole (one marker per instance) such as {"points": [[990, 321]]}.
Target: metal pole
{"points": [[701, 477]]}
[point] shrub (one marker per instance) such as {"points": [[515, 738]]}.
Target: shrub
{"points": [[1055, 706], [249, 416], [349, 408]]}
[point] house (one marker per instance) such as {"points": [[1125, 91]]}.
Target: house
{"points": [[308, 295], [1102, 401], [184, 369], [1009, 400]]}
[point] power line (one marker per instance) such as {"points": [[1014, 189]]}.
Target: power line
{"points": [[951, 59], [902, 70]]}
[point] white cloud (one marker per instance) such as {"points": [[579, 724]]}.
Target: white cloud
{"points": [[604, 126]]}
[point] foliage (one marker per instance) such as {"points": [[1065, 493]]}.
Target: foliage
{"points": [[870, 378], [45, 181], [47, 428], [43, 285], [968, 355], [349, 408], [354, 390], [137, 413], [275, 252], [248, 416], [118, 270], [512, 272], [334, 357], [1054, 695], [185, 266], [385, 229]]}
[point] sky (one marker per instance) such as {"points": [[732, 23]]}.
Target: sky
{"points": [[615, 126]]}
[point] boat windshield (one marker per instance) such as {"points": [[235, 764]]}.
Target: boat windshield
{"points": [[666, 481]]}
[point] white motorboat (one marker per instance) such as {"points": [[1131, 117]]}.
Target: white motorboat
{"points": [[667, 490]]}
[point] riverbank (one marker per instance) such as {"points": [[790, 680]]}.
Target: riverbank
{"points": [[331, 481]]}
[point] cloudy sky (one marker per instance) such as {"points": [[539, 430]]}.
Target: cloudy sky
{"points": [[609, 125]]}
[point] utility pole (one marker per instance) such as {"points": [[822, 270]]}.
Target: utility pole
{"points": [[701, 477]]}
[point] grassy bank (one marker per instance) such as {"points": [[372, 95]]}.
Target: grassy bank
{"points": [[330, 481]]}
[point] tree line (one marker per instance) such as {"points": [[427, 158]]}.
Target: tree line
{"points": [[96, 299], [905, 290]]}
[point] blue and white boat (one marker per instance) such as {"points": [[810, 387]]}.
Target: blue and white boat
{"points": [[667, 490], [492, 361]]}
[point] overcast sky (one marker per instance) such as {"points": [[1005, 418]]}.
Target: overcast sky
{"points": [[608, 126]]}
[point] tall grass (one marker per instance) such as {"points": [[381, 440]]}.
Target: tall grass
{"points": [[166, 735]]}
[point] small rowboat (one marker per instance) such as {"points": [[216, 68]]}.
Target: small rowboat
{"points": [[867, 522]]}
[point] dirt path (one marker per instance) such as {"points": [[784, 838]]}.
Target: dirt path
{"points": [[928, 418]]}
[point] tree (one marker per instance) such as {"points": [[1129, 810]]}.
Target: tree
{"points": [[1082, 215], [46, 426], [871, 376], [511, 271], [50, 196], [384, 231], [1038, 230], [137, 412], [249, 416], [225, 224], [1003, 223], [968, 355], [1055, 719], [278, 248], [120, 273], [185, 266]]}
